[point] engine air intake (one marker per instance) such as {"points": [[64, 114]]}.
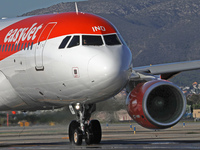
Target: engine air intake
{"points": [[156, 104]]}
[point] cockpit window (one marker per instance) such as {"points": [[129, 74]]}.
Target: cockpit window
{"points": [[92, 40], [74, 42], [64, 42], [111, 40]]}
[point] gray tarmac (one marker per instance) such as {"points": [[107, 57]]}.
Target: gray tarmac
{"points": [[115, 136]]}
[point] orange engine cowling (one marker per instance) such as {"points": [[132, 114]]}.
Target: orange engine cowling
{"points": [[156, 104]]}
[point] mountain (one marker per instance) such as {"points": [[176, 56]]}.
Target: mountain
{"points": [[156, 31]]}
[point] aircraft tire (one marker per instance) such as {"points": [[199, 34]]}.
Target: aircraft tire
{"points": [[89, 136], [77, 137], [96, 130], [72, 127]]}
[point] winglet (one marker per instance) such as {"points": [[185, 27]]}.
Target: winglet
{"points": [[76, 6]]}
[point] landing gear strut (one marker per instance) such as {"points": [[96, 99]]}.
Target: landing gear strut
{"points": [[82, 128]]}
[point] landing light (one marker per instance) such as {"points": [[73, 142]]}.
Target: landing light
{"points": [[77, 106]]}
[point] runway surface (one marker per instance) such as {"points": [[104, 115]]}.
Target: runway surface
{"points": [[115, 136]]}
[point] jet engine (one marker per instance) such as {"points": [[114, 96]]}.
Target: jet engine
{"points": [[156, 104]]}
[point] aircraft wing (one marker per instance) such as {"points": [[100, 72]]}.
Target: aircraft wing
{"points": [[169, 69]]}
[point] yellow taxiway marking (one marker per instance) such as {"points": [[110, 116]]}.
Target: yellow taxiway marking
{"points": [[65, 137]]}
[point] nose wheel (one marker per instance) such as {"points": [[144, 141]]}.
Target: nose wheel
{"points": [[75, 134], [85, 129], [95, 128], [77, 137]]}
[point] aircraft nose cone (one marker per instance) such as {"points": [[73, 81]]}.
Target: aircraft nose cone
{"points": [[106, 72]]}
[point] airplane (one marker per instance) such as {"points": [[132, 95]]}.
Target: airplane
{"points": [[79, 59]]}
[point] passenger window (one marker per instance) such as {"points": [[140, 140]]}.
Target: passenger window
{"points": [[92, 40], [9, 48], [74, 42], [3, 48], [18, 46], [64, 42], [111, 40], [22, 46], [15, 47], [31, 45], [25, 46], [12, 47], [0, 47], [28, 46], [6, 48]]}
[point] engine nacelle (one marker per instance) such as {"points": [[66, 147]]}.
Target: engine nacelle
{"points": [[156, 104]]}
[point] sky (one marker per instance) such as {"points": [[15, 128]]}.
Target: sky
{"points": [[13, 8]]}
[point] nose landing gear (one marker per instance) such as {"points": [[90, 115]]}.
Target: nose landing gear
{"points": [[83, 128]]}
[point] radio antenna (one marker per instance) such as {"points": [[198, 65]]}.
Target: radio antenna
{"points": [[76, 6]]}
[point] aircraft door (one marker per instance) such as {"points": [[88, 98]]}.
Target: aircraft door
{"points": [[40, 45]]}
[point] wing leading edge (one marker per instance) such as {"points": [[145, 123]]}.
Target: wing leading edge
{"points": [[169, 69]]}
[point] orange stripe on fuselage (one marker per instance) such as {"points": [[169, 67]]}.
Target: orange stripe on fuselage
{"points": [[28, 30]]}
